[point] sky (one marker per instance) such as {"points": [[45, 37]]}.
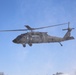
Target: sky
{"points": [[40, 59]]}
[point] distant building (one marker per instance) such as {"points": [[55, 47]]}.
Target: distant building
{"points": [[60, 73], [1, 73]]}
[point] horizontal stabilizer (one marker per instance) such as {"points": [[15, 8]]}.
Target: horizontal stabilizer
{"points": [[70, 38]]}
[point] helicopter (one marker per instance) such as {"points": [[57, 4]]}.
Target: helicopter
{"points": [[35, 37]]}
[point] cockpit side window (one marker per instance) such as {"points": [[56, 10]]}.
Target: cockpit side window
{"points": [[19, 37]]}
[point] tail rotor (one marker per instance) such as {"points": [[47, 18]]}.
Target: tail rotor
{"points": [[69, 29]]}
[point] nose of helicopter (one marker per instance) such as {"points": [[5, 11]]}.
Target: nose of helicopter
{"points": [[15, 41]]}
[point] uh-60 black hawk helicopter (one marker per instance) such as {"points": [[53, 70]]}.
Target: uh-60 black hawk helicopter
{"points": [[33, 37]]}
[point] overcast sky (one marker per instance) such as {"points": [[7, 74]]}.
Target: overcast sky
{"points": [[40, 59]]}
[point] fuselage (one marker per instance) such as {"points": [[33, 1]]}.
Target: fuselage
{"points": [[40, 37], [37, 37]]}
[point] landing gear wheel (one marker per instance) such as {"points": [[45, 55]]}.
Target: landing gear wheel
{"points": [[24, 45], [30, 44]]}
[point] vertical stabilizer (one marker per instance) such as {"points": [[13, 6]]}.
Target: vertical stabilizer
{"points": [[68, 36]]}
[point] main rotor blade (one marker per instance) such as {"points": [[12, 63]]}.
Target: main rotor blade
{"points": [[49, 26], [33, 28], [13, 30]]}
